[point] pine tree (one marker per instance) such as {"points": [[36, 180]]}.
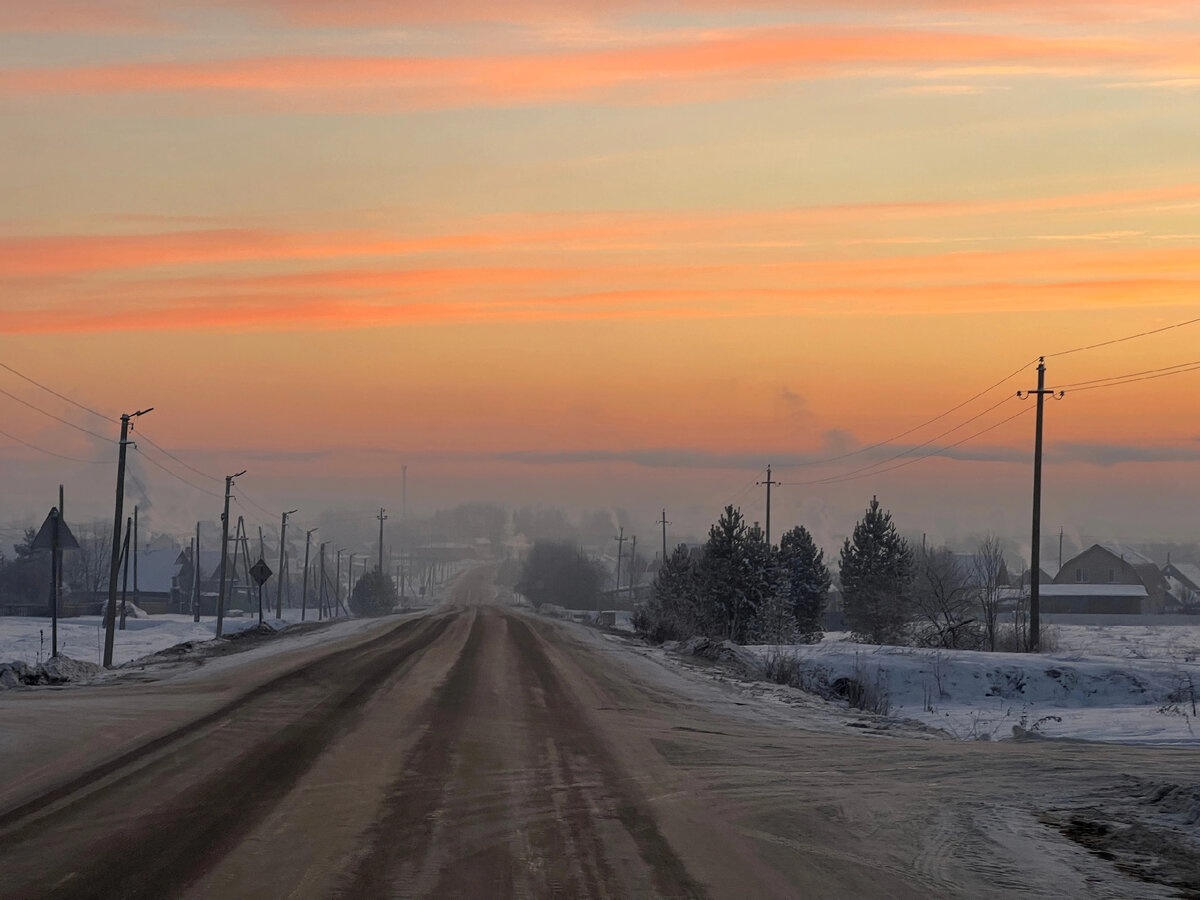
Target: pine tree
{"points": [[727, 601], [374, 594], [804, 581], [671, 613], [876, 571]]}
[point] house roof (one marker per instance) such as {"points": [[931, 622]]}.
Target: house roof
{"points": [[1092, 590], [156, 569], [1189, 572], [1131, 556]]}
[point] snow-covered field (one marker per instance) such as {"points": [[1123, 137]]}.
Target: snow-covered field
{"points": [[1126, 684], [27, 639]]}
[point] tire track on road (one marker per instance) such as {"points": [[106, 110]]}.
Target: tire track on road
{"points": [[191, 830]]}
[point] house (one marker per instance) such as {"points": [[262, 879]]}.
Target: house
{"points": [[1184, 579], [1105, 578]]}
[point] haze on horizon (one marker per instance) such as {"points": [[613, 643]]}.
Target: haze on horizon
{"points": [[607, 255]]}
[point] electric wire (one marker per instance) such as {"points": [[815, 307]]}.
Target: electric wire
{"points": [[13, 437], [1128, 337], [50, 390], [1194, 368], [145, 437], [1165, 370], [175, 475], [903, 434], [51, 415], [907, 452], [836, 479]]}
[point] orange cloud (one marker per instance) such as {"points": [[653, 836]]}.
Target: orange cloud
{"points": [[565, 234], [669, 71]]}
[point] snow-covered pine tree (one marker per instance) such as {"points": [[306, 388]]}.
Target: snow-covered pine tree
{"points": [[876, 572], [725, 608], [804, 581], [670, 613]]}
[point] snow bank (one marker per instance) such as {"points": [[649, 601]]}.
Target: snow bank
{"points": [[1103, 684]]}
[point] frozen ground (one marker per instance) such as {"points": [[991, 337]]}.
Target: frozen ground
{"points": [[1125, 684]]}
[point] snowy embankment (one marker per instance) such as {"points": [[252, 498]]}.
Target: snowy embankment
{"points": [[1126, 684], [27, 639]]}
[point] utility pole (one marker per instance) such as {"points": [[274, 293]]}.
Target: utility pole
{"points": [[110, 613], [768, 483], [632, 565], [620, 539], [125, 570], [137, 595], [62, 517], [1060, 539], [224, 550], [382, 518], [196, 577], [321, 585], [279, 583], [1035, 551], [350, 578], [304, 592], [337, 578], [664, 523]]}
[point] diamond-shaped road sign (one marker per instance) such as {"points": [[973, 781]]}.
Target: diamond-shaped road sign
{"points": [[260, 572]]}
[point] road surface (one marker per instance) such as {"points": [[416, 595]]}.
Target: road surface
{"points": [[477, 751]]}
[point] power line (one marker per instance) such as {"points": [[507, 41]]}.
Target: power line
{"points": [[1192, 367], [910, 450], [903, 434], [50, 390], [909, 462], [143, 436], [13, 437], [57, 418], [175, 475], [1195, 362], [1128, 337]]}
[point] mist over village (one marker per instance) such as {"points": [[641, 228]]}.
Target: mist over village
{"points": [[599, 449]]}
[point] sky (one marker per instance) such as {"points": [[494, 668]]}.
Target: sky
{"points": [[604, 254]]}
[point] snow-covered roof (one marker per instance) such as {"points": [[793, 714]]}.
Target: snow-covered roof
{"points": [[1189, 571], [1131, 556], [1092, 590], [155, 570]]}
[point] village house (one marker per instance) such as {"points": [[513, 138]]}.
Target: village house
{"points": [[1110, 579]]}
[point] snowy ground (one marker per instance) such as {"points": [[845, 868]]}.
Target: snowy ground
{"points": [[27, 639], [1125, 684]]}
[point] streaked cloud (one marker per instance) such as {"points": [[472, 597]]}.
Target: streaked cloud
{"points": [[738, 61]]}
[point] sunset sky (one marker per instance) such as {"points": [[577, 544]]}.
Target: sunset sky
{"points": [[604, 254]]}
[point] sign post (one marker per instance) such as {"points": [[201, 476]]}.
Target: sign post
{"points": [[55, 536], [260, 572]]}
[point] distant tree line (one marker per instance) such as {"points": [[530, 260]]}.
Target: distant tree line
{"points": [[737, 587]]}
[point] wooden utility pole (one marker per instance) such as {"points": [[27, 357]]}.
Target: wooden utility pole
{"points": [[664, 523], [1035, 551], [321, 587], [304, 591], [279, 583], [620, 539], [110, 612], [62, 517], [632, 565], [237, 546], [768, 483], [337, 577], [137, 595], [125, 570], [224, 551], [196, 577], [55, 575], [382, 518]]}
